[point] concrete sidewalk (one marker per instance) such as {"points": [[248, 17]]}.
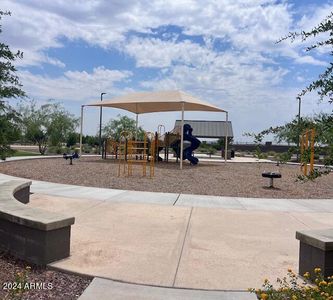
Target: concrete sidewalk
{"points": [[173, 199], [180, 246]]}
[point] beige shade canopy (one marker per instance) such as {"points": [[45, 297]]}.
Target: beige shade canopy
{"points": [[148, 102]]}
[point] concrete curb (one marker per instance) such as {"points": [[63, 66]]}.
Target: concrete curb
{"points": [[101, 288]]}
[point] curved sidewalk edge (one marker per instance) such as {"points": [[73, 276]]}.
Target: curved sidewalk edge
{"points": [[172, 199], [101, 288]]}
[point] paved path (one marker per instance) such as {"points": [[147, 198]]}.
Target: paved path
{"points": [[181, 246]]}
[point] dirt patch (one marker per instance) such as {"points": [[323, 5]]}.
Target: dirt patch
{"points": [[232, 179], [40, 282]]}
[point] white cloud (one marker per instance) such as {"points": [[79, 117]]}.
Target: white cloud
{"points": [[244, 70], [74, 86], [36, 26]]}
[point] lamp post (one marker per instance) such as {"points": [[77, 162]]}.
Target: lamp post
{"points": [[100, 126], [299, 124]]}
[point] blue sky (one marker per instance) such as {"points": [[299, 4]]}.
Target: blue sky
{"points": [[221, 51]]}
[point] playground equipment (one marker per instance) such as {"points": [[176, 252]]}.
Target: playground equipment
{"points": [[307, 140], [158, 147], [131, 152], [187, 152], [271, 176], [164, 141], [71, 157], [158, 101], [110, 147], [172, 140]]}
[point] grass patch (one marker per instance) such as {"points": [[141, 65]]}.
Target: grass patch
{"points": [[24, 153]]}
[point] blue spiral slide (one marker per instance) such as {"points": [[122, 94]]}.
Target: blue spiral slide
{"points": [[187, 152]]}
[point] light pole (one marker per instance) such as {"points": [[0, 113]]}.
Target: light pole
{"points": [[100, 126], [299, 124]]}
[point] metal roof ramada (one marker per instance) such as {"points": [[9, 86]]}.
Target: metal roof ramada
{"points": [[209, 129]]}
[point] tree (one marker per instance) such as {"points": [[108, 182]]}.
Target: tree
{"points": [[49, 124], [115, 127], [324, 84], [90, 140], [72, 139], [62, 123], [290, 132], [10, 131], [10, 87], [219, 145]]}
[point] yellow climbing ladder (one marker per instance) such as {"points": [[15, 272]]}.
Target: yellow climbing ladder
{"points": [[307, 142], [134, 152]]}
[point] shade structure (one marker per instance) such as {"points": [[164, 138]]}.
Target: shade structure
{"points": [[161, 101]]}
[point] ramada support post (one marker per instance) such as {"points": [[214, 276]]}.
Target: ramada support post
{"points": [[81, 129]]}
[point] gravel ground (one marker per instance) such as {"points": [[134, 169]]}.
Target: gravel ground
{"points": [[57, 285], [233, 179]]}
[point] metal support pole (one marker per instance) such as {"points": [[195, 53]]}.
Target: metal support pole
{"points": [[136, 126], [313, 134], [100, 126], [299, 130], [182, 138], [226, 138], [81, 129]]}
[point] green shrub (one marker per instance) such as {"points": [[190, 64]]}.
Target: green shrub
{"points": [[328, 160], [86, 149], [210, 151], [57, 150], [318, 172], [283, 157], [51, 150], [271, 153]]}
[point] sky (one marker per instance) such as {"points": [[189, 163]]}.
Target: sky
{"points": [[222, 51]]}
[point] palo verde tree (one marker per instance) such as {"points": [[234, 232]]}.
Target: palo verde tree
{"points": [[115, 127], [47, 125], [10, 87], [324, 84], [289, 133]]}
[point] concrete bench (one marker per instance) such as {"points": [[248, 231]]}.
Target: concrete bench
{"points": [[316, 251], [31, 234]]}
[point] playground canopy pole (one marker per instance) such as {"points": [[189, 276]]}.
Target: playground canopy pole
{"points": [[226, 138], [81, 129], [182, 138], [136, 127]]}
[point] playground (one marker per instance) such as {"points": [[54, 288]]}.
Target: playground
{"points": [[151, 212], [206, 178]]}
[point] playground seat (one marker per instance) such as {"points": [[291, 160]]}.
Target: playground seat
{"points": [[271, 176], [70, 157]]}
